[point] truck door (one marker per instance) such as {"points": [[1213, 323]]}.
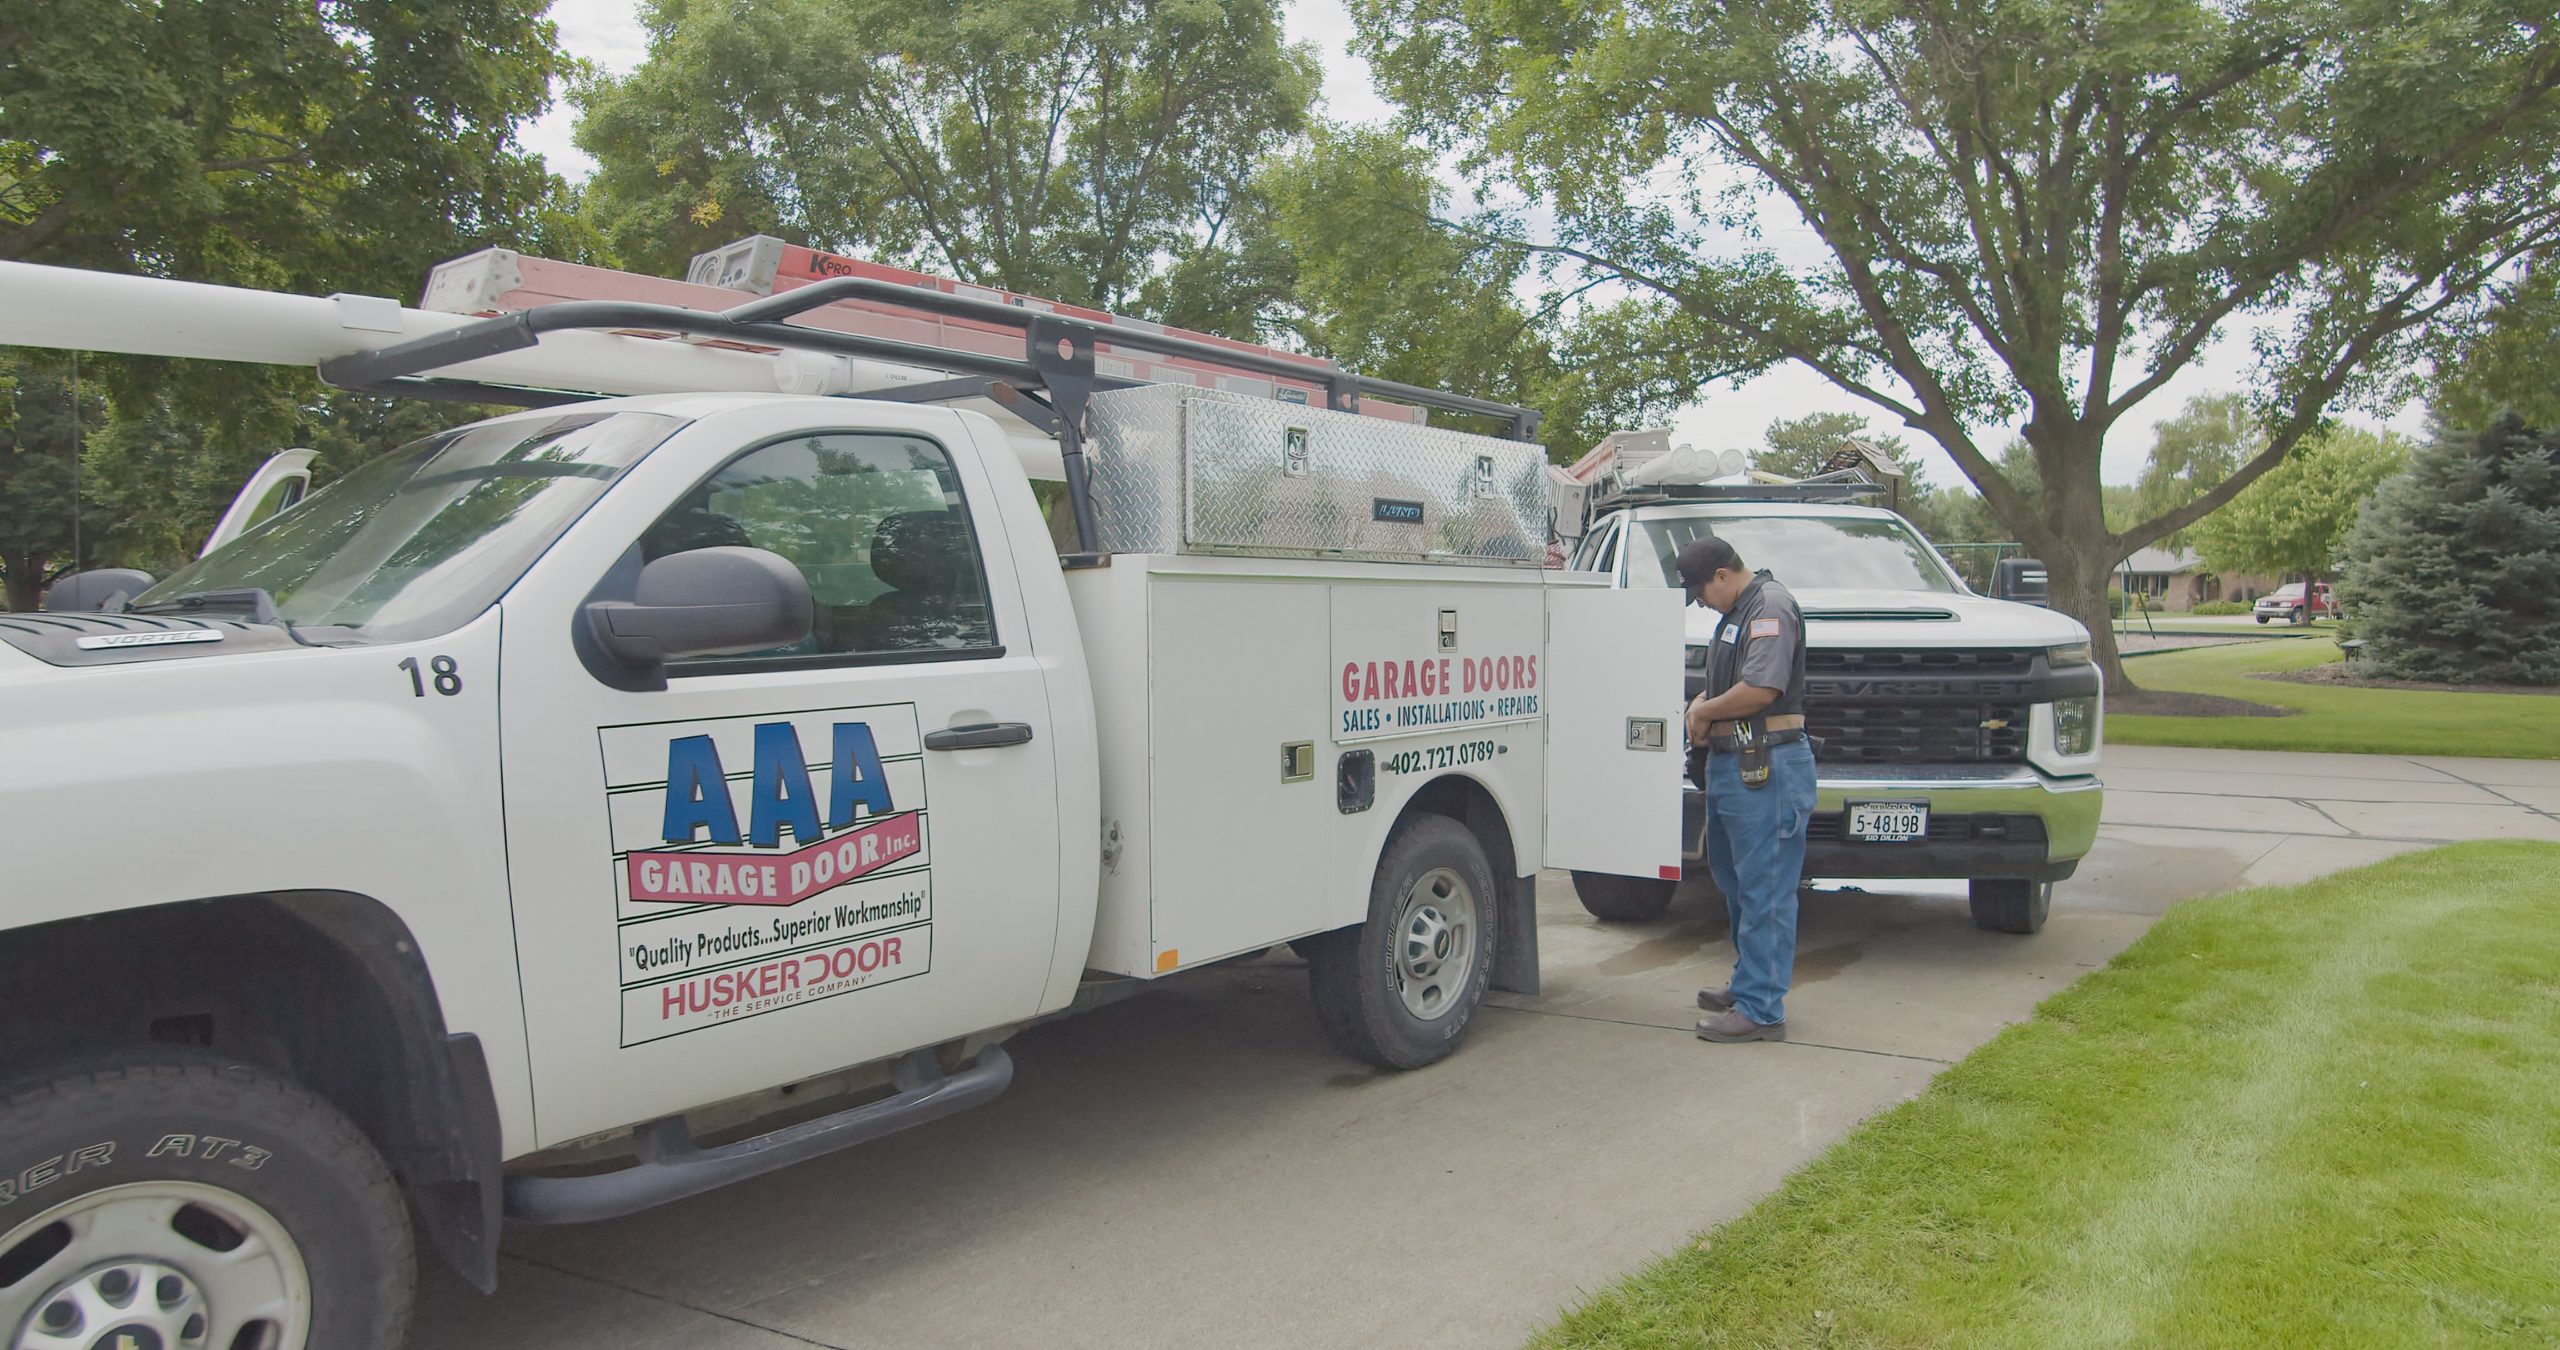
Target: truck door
{"points": [[792, 861], [1615, 746]]}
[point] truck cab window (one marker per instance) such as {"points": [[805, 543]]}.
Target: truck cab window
{"points": [[1598, 552], [1807, 552], [877, 524]]}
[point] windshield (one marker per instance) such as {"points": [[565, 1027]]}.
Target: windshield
{"points": [[1807, 553], [419, 541]]}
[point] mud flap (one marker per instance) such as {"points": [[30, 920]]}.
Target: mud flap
{"points": [[1515, 955]]}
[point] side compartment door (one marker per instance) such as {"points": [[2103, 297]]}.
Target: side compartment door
{"points": [[1614, 742], [791, 861]]}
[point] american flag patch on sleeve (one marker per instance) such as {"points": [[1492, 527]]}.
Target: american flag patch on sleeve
{"points": [[1764, 628]]}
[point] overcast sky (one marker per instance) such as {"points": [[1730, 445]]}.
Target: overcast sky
{"points": [[608, 33]]}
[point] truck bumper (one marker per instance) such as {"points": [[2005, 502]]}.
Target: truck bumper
{"points": [[1993, 822]]}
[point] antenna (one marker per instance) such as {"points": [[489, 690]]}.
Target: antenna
{"points": [[75, 462]]}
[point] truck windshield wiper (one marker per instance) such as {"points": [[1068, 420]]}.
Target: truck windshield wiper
{"points": [[261, 606]]}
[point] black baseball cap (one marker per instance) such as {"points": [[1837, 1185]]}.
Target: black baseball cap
{"points": [[1704, 558]]}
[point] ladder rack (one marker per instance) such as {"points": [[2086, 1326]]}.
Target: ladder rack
{"points": [[1048, 386], [1809, 490]]}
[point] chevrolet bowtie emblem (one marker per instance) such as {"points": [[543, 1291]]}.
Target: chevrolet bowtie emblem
{"points": [[1996, 724]]}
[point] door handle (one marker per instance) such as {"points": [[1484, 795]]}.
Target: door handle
{"points": [[979, 736]]}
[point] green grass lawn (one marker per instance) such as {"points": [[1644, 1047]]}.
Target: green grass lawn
{"points": [[2359, 721], [2318, 1115]]}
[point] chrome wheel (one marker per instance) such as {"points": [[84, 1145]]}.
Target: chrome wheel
{"points": [[1435, 943], [156, 1265]]}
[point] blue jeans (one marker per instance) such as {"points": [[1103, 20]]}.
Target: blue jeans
{"points": [[1755, 851]]}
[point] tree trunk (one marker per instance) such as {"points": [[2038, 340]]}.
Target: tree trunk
{"points": [[2078, 552], [2076, 577], [25, 581]]}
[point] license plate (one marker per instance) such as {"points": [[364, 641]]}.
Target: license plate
{"points": [[1888, 822]]}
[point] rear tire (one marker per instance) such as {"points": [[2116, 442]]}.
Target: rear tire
{"points": [[1401, 989], [1618, 899], [2010, 905], [186, 1200]]}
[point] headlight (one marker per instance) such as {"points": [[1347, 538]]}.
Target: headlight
{"points": [[2077, 654], [2075, 725]]}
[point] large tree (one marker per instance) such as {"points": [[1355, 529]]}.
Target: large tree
{"points": [[2508, 360], [281, 143], [2030, 215], [1058, 147]]}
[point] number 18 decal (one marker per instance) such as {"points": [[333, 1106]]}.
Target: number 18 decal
{"points": [[447, 676]]}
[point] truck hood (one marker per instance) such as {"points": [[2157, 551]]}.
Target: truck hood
{"points": [[1862, 618], [69, 641]]}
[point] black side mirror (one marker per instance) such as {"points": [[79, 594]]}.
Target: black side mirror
{"points": [[2019, 579], [95, 590], [704, 602]]}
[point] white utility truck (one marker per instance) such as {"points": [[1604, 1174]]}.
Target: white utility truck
{"points": [[1958, 734], [536, 821]]}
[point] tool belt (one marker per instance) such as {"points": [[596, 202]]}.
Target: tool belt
{"points": [[1778, 729]]}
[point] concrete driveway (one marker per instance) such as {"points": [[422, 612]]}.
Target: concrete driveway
{"points": [[1195, 1167]]}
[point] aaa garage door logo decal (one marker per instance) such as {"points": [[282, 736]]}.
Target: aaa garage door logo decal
{"points": [[766, 861]]}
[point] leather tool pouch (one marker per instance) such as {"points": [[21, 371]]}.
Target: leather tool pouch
{"points": [[1755, 753]]}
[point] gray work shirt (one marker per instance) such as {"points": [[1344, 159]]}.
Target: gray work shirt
{"points": [[1761, 642]]}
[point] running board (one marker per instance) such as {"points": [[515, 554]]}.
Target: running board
{"points": [[672, 1166]]}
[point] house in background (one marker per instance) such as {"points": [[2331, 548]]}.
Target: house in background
{"points": [[2178, 580]]}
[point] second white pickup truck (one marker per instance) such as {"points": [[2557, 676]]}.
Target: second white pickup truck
{"points": [[1957, 735]]}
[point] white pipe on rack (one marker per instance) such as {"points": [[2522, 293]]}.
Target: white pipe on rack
{"points": [[75, 310]]}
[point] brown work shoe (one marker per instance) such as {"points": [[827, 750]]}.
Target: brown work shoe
{"points": [[1729, 1026], [1716, 1000]]}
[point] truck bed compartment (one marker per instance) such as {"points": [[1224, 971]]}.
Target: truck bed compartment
{"points": [[1233, 695]]}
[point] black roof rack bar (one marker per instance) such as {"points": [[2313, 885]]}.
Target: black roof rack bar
{"points": [[1341, 387], [1524, 421], [518, 331], [1742, 492], [1312, 369], [761, 323], [1013, 396]]}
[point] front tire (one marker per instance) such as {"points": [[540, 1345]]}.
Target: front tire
{"points": [[1401, 989], [176, 1200], [1617, 899], [2010, 905]]}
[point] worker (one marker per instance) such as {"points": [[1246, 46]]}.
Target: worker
{"points": [[1759, 782]]}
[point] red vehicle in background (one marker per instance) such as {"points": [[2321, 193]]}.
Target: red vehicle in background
{"points": [[2297, 602]]}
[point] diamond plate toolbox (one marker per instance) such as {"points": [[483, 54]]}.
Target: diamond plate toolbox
{"points": [[1176, 469]]}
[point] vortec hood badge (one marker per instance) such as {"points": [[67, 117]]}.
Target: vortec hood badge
{"points": [[163, 638]]}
